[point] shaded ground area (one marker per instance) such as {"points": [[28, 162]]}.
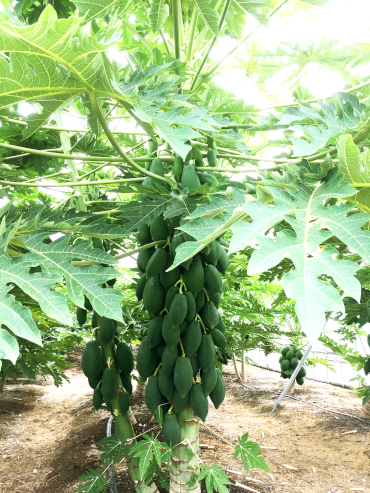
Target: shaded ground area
{"points": [[48, 437]]}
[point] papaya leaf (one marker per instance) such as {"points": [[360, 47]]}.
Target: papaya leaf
{"points": [[311, 224], [208, 14], [145, 210], [9, 348], [256, 8], [250, 454], [95, 482], [99, 8], [148, 450], [157, 14], [215, 478], [112, 449]]}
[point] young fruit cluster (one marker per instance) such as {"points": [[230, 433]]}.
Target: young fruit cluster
{"points": [[108, 363], [289, 360], [186, 332], [367, 362]]}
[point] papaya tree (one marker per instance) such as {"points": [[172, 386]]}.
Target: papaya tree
{"points": [[116, 140]]}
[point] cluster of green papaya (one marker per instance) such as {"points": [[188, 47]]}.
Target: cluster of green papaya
{"points": [[109, 376], [183, 171], [367, 362], [185, 334], [289, 360]]}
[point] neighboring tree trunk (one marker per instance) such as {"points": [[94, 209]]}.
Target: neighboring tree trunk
{"points": [[291, 389], [243, 368], [183, 467], [365, 411], [236, 368], [2, 382], [140, 390]]}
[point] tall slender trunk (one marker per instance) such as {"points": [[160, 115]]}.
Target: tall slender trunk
{"points": [[365, 411], [243, 368], [236, 368], [2, 382], [185, 460]]}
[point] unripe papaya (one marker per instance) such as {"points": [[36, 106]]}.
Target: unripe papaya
{"points": [[124, 358], [156, 263], [156, 167], [195, 365], [211, 157], [200, 299], [214, 254], [178, 166], [207, 179], [218, 393], [299, 354], [94, 320], [294, 362], [197, 154], [92, 363], [209, 380], [192, 309], [170, 332], [300, 380], [166, 384], [140, 285], [143, 235], [152, 146], [97, 399], [302, 372], [171, 293], [107, 330], [126, 382], [184, 326], [146, 360], [171, 430], [170, 278], [169, 359], [159, 229], [178, 309], [94, 382], [183, 375], [178, 401], [215, 297], [194, 277], [143, 259], [154, 332], [124, 402], [285, 365], [198, 401], [109, 385], [176, 241], [289, 355], [189, 156], [192, 338], [285, 350], [209, 315], [212, 279], [218, 338], [367, 366], [160, 349], [223, 261], [81, 316], [368, 340], [154, 296], [206, 352], [153, 396], [189, 178], [98, 243]]}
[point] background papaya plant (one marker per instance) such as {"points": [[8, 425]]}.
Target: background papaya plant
{"points": [[93, 96]]}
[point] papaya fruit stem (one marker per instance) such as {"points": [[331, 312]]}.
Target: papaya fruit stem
{"points": [[157, 369], [205, 292], [201, 323], [182, 349]]}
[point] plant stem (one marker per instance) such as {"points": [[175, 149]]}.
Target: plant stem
{"points": [[112, 140], [140, 249], [166, 45], [72, 184], [193, 26], [212, 43], [133, 30]]}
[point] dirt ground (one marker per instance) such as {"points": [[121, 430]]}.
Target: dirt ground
{"points": [[48, 438]]}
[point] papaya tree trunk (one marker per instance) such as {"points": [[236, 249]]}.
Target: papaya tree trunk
{"points": [[185, 459], [2, 382], [365, 411], [291, 388], [123, 427], [236, 368], [243, 368]]}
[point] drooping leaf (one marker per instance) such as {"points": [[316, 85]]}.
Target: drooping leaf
{"points": [[148, 450], [208, 14], [157, 14], [112, 449], [95, 482], [256, 8], [8, 346], [250, 454], [215, 478], [99, 8]]}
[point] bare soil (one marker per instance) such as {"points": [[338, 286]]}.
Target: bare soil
{"points": [[49, 438]]}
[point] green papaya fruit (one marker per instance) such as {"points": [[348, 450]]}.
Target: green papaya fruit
{"points": [[171, 430], [197, 154], [149, 181], [200, 299], [214, 254], [300, 380], [178, 166], [294, 362], [294, 348], [207, 179], [289, 355], [198, 401], [107, 330], [212, 279], [192, 309], [282, 358], [171, 293], [368, 340], [183, 375], [170, 332], [212, 158], [218, 393], [298, 354], [285, 350], [154, 296], [189, 156], [146, 360], [159, 229], [209, 380], [92, 363], [147, 165], [206, 352], [367, 366], [194, 277], [209, 315], [94, 382], [157, 167], [126, 382], [192, 338], [124, 358], [87, 304], [109, 385], [176, 241], [156, 263], [169, 359], [98, 243], [143, 259], [143, 235], [124, 402], [215, 297], [218, 338], [94, 320], [285, 365], [223, 261], [170, 278], [140, 285], [152, 146], [154, 331], [153, 396], [97, 399], [160, 349], [195, 365], [166, 384], [81, 314], [184, 326], [178, 309], [302, 372], [178, 401], [189, 178]]}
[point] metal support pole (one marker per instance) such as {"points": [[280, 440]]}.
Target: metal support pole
{"points": [[292, 378], [110, 472]]}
